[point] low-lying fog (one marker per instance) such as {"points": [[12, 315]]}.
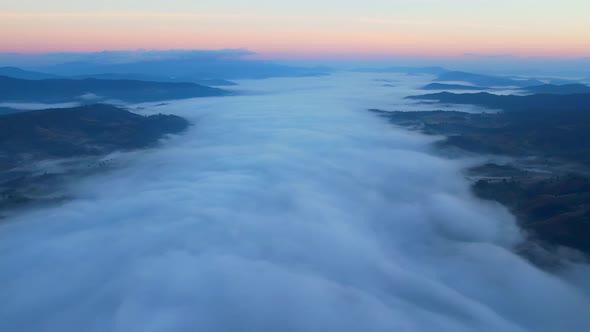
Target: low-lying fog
{"points": [[288, 208]]}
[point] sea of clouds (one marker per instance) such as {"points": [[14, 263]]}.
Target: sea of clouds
{"points": [[286, 208]]}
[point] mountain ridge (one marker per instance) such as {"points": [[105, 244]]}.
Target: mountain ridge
{"points": [[558, 89], [550, 103], [485, 80], [442, 86], [67, 90], [20, 73]]}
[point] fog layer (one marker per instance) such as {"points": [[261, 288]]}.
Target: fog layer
{"points": [[289, 208]]}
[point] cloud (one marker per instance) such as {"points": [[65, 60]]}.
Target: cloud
{"points": [[290, 208], [90, 96]]}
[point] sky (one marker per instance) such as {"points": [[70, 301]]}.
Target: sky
{"points": [[303, 28]]}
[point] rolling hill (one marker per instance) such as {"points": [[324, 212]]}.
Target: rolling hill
{"points": [[152, 78], [93, 90], [558, 89], [546, 184], [548, 103], [15, 72], [85, 130], [83, 134], [442, 86], [485, 80]]}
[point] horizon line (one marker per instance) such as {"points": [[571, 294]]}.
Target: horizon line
{"points": [[248, 53]]}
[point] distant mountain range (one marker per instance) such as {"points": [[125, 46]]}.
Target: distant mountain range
{"points": [[93, 90], [451, 80], [15, 72], [404, 70], [24, 74], [208, 67], [558, 89], [141, 77], [442, 86], [537, 89], [486, 80], [188, 69], [554, 103]]}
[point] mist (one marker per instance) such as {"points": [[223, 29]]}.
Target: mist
{"points": [[288, 207], [37, 106]]}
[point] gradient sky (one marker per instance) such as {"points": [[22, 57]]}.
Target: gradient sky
{"points": [[305, 28]]}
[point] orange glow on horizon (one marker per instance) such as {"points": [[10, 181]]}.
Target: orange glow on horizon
{"points": [[284, 37]]}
